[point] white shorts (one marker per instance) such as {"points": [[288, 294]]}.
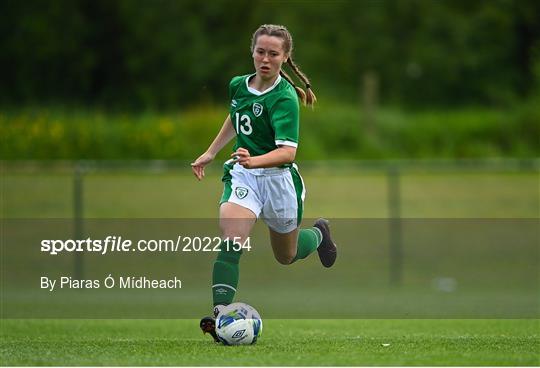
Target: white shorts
{"points": [[274, 194]]}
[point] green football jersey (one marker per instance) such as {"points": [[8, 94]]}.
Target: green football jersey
{"points": [[264, 120]]}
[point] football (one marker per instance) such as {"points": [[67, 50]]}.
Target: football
{"points": [[238, 324]]}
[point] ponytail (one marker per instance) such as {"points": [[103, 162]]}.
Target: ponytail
{"points": [[299, 91], [307, 97]]}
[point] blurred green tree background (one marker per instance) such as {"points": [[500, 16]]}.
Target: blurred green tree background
{"points": [[411, 78]]}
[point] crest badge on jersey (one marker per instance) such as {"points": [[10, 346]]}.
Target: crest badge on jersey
{"points": [[241, 192], [257, 109]]}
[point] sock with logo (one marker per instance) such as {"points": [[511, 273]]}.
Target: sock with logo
{"points": [[225, 274], [308, 241]]}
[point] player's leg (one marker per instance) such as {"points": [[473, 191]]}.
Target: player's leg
{"points": [[239, 209], [236, 223], [284, 245], [283, 211], [297, 244], [300, 243]]}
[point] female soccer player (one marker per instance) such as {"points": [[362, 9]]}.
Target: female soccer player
{"points": [[261, 178]]}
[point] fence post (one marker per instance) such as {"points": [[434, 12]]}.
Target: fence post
{"points": [[78, 176], [395, 236], [370, 92]]}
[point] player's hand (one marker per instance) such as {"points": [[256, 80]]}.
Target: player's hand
{"points": [[243, 157], [198, 166]]}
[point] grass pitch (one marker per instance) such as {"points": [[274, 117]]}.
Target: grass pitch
{"points": [[284, 342], [352, 342]]}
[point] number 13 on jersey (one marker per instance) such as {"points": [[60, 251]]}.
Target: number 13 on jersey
{"points": [[243, 124]]}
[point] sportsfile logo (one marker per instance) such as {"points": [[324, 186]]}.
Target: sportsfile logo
{"points": [[238, 334]]}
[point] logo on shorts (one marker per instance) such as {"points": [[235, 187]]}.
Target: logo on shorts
{"points": [[289, 222], [241, 192], [257, 109]]}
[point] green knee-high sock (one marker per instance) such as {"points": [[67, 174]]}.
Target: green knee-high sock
{"points": [[308, 241], [225, 274]]}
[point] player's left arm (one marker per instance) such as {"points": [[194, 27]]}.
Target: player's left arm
{"points": [[280, 156]]}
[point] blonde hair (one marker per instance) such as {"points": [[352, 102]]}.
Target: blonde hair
{"points": [[307, 97]]}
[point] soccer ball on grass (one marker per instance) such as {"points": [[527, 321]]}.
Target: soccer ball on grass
{"points": [[238, 324]]}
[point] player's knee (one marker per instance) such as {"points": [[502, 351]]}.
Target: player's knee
{"points": [[284, 259], [233, 236]]}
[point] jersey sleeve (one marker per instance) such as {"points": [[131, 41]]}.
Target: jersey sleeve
{"points": [[234, 84], [285, 121]]}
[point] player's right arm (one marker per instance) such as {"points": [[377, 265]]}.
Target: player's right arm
{"points": [[224, 136]]}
